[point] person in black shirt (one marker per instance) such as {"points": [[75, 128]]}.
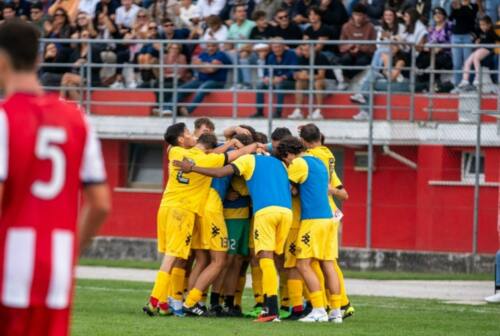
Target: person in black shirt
{"points": [[262, 30], [463, 15], [334, 15], [301, 9], [110, 5], [285, 29], [323, 80], [487, 35], [319, 31]]}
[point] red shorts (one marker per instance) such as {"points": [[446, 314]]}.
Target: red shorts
{"points": [[34, 321]]}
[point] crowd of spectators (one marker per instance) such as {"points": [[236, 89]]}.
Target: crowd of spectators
{"points": [[215, 24]]}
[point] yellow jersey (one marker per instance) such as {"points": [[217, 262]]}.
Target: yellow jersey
{"points": [[189, 191]]}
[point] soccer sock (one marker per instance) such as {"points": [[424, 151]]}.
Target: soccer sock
{"points": [[193, 297], [257, 284], [239, 290], [160, 288], [186, 284], [203, 301], [284, 295], [317, 299], [214, 299], [295, 294], [229, 301], [319, 273], [269, 277], [335, 301], [177, 279], [344, 299]]}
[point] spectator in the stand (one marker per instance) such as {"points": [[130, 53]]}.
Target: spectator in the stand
{"points": [[216, 31], [210, 7], [463, 15], [37, 17], [8, 12], [487, 35], [374, 8], [262, 29], [60, 26], [289, 6], [319, 31], [361, 29], [84, 22], [423, 7], [334, 15], [323, 80], [445, 4], [140, 28], [228, 13], [107, 6], [69, 6], [261, 50], [399, 6], [390, 30], [269, 7], [210, 76], [51, 75], [285, 29], [393, 74], [171, 32], [189, 14], [415, 33], [81, 54], [301, 16], [148, 55], [240, 52], [22, 8], [440, 33], [126, 14], [163, 9], [88, 6], [280, 78]]}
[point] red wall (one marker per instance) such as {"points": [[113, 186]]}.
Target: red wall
{"points": [[408, 213]]}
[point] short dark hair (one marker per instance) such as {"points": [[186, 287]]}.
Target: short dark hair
{"points": [[37, 5], [260, 137], [208, 140], [204, 121], [173, 133], [240, 4], [251, 130], [23, 56], [289, 145], [9, 5], [279, 133], [323, 139], [310, 133], [245, 139], [486, 19], [257, 15], [359, 8], [316, 10]]}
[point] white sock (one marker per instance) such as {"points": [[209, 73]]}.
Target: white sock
{"points": [[318, 311]]}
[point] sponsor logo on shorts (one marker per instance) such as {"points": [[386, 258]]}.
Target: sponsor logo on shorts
{"points": [[256, 234], [306, 239], [292, 248], [215, 231], [188, 240]]}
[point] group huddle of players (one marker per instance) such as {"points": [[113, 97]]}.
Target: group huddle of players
{"points": [[250, 202]]}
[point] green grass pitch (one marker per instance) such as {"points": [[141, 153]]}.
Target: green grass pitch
{"points": [[114, 308]]}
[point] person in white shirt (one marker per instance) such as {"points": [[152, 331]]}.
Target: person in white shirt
{"points": [[126, 14], [210, 7], [88, 6], [216, 31], [187, 13]]}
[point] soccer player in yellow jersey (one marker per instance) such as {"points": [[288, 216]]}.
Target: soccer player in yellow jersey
{"points": [[182, 200], [267, 181], [315, 238], [312, 139]]}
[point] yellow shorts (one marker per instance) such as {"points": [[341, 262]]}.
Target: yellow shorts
{"points": [[175, 230], [270, 229], [210, 232], [317, 239], [291, 248]]}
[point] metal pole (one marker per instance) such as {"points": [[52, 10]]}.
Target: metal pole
{"points": [[412, 83], [370, 170], [161, 78], [478, 164], [431, 85], [174, 95], [89, 76], [81, 70], [389, 88], [311, 80], [270, 103], [235, 89]]}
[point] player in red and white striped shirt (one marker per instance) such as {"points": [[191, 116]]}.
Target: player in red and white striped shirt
{"points": [[47, 151]]}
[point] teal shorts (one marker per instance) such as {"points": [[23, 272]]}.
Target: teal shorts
{"points": [[238, 231]]}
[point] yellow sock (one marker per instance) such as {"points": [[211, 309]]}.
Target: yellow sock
{"points": [[344, 299], [177, 279], [269, 277], [160, 288], [239, 290], [319, 273], [335, 301], [193, 297], [257, 284], [284, 296], [317, 299], [295, 292]]}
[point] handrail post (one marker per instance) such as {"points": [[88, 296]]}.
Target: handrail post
{"points": [[161, 78], [234, 112], [431, 85], [412, 83], [369, 181], [389, 86], [311, 81], [270, 102], [174, 94], [475, 222], [89, 75]]}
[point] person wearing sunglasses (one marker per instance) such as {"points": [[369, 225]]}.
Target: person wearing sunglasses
{"points": [[286, 29]]}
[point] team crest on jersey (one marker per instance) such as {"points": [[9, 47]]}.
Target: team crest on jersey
{"points": [[256, 235], [306, 239], [215, 231], [292, 248], [188, 240]]}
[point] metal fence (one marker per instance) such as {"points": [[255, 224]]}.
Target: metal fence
{"points": [[471, 109]]}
